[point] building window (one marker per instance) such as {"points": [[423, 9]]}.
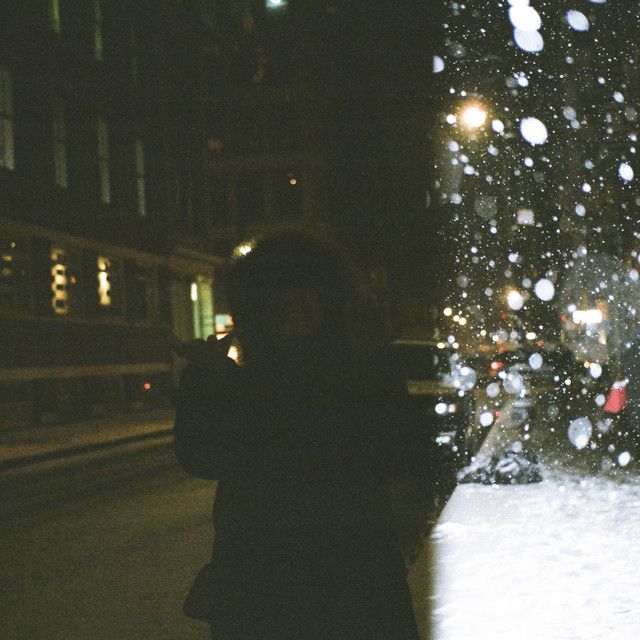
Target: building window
{"points": [[64, 281], [202, 307], [142, 292], [104, 286], [140, 178], [97, 29], [107, 291], [60, 145], [54, 15], [14, 275], [7, 158], [103, 161]]}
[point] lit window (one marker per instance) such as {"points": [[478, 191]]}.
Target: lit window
{"points": [[97, 17], [54, 15], [103, 161], [202, 307], [140, 178], [7, 159], [60, 145], [104, 285], [60, 282]]}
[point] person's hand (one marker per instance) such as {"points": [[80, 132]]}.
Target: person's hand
{"points": [[204, 354]]}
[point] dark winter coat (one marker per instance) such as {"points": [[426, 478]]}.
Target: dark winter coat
{"points": [[305, 545]]}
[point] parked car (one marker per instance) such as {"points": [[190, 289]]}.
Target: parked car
{"points": [[440, 388]]}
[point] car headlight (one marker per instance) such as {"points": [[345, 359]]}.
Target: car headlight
{"points": [[442, 408]]}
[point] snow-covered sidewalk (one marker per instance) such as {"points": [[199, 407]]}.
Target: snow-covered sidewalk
{"points": [[555, 560]]}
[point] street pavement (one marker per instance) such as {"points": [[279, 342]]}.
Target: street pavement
{"points": [[102, 548], [102, 543], [26, 446]]}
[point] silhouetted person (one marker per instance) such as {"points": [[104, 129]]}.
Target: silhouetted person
{"points": [[303, 439]]}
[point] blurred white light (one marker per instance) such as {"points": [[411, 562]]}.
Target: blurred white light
{"points": [[525, 18], [530, 335], [441, 408], [526, 217], [579, 432], [587, 316], [530, 41], [625, 171], [544, 289], [581, 210], [473, 116], [438, 64], [577, 20], [493, 390], [486, 419], [497, 126], [600, 399], [513, 383], [624, 458], [515, 300], [595, 370], [243, 249], [533, 131], [535, 361], [448, 311]]}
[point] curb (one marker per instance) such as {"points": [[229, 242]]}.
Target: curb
{"points": [[44, 456]]}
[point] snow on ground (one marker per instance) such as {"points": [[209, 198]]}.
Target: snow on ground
{"points": [[555, 560]]}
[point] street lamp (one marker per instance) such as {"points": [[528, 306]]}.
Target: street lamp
{"points": [[473, 116]]}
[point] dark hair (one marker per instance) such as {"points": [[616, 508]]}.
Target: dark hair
{"points": [[297, 259]]}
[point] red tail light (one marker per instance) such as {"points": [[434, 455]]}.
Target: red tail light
{"points": [[496, 365]]}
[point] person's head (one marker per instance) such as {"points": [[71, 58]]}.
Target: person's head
{"points": [[295, 288]]}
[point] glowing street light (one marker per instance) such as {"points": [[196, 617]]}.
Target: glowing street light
{"points": [[473, 116]]}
